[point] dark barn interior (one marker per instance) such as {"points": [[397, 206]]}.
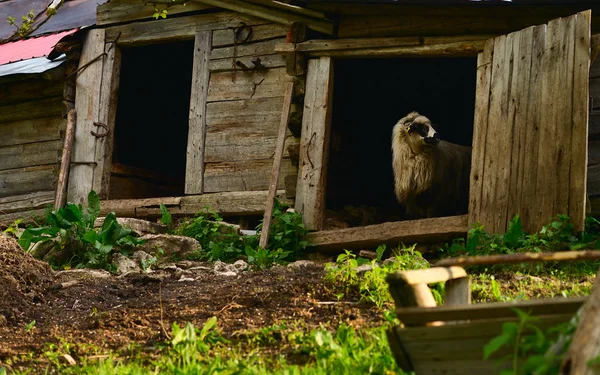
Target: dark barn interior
{"points": [[370, 96], [151, 128]]}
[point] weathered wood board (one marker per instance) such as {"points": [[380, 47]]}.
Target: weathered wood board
{"points": [[243, 175], [26, 90], [531, 126], [29, 154], [27, 180], [30, 131], [117, 11], [26, 202]]}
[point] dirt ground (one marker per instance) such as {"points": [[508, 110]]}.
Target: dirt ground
{"points": [[111, 312]]}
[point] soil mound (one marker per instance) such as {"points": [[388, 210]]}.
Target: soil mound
{"points": [[23, 280]]}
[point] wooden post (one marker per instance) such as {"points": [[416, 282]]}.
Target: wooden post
{"points": [[61, 189], [285, 115], [586, 340]]}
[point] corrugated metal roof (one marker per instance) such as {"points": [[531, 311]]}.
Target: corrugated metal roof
{"points": [[31, 66], [30, 48]]}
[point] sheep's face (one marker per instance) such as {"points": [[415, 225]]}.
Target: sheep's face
{"points": [[419, 130]]}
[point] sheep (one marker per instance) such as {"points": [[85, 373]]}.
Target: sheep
{"points": [[431, 176]]}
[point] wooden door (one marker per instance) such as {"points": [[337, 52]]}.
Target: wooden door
{"points": [[531, 126]]}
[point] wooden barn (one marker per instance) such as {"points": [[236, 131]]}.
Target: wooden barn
{"points": [[181, 104]]}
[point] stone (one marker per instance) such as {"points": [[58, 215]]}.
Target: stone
{"points": [[139, 226], [225, 269], [40, 249], [183, 279], [301, 264], [171, 246], [144, 260], [364, 268], [228, 228], [240, 265], [248, 232], [124, 264]]}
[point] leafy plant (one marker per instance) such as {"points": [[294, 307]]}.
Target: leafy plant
{"points": [[25, 27], [287, 231], [80, 244], [13, 228], [166, 217], [159, 13], [30, 326], [263, 258]]}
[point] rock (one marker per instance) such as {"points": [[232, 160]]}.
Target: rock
{"points": [[225, 269], [124, 264], [226, 273], [367, 254], [171, 246], [364, 268], [40, 249], [183, 278], [144, 260], [185, 264], [240, 265], [301, 263], [248, 232], [141, 227], [81, 274], [389, 260], [228, 228], [200, 268], [3, 321]]}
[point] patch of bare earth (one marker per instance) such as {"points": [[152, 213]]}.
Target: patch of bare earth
{"points": [[112, 312]]}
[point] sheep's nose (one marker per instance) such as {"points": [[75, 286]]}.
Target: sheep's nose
{"points": [[434, 140]]}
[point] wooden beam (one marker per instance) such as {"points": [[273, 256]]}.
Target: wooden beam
{"points": [[117, 11], [560, 256], [26, 202], [595, 46], [410, 231], [279, 148], [277, 14], [389, 47], [65, 163], [314, 143], [427, 276], [485, 311], [194, 171]]}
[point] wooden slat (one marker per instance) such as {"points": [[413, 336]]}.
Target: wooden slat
{"points": [[314, 143], [87, 105], [128, 207], [132, 10], [31, 109], [26, 202], [194, 170], [558, 256], [532, 138], [29, 155], [243, 175], [484, 74], [29, 131], [579, 151], [268, 61], [107, 114], [224, 38], [517, 117], [458, 291], [323, 45], [27, 180], [279, 145], [426, 276], [409, 231], [31, 89], [485, 311], [246, 49], [65, 161], [24, 216], [255, 84]]}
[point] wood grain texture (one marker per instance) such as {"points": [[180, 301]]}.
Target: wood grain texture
{"points": [[117, 11], [243, 175], [392, 233], [31, 89], [27, 180], [426, 276], [29, 131], [314, 143], [277, 159], [109, 92], [268, 83], [558, 256], [580, 130], [87, 105], [65, 162], [270, 60], [29, 155], [224, 38], [31, 109], [26, 202], [194, 170], [458, 291]]}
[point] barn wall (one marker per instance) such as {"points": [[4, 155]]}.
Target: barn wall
{"points": [[31, 129], [593, 179]]}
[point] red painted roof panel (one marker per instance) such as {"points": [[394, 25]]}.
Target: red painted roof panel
{"points": [[30, 48]]}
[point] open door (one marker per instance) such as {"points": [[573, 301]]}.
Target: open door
{"points": [[531, 126]]}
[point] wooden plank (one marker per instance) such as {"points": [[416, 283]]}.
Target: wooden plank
{"points": [[194, 170], [132, 10], [29, 155], [323, 45], [548, 154], [128, 207], [27, 180], [268, 61], [532, 137], [246, 49], [409, 231], [29, 131], [87, 105], [426, 276], [177, 28], [243, 144], [65, 162], [20, 91], [136, 187], [225, 38], [458, 291], [26, 202], [243, 175], [558, 256], [269, 83], [488, 214], [279, 148], [31, 109], [485, 311], [595, 65], [314, 143], [585, 346], [518, 119], [285, 17], [32, 216], [580, 118], [480, 125], [109, 91]]}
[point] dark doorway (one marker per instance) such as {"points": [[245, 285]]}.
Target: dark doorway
{"points": [[151, 128], [370, 96]]}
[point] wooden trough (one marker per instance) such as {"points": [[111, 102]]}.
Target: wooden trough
{"points": [[449, 339]]}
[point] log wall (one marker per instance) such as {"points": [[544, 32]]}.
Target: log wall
{"points": [[31, 128]]}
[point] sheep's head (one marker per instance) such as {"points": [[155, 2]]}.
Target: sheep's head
{"points": [[417, 129]]}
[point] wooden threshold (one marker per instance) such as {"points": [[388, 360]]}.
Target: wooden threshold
{"points": [[407, 232], [238, 203]]}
